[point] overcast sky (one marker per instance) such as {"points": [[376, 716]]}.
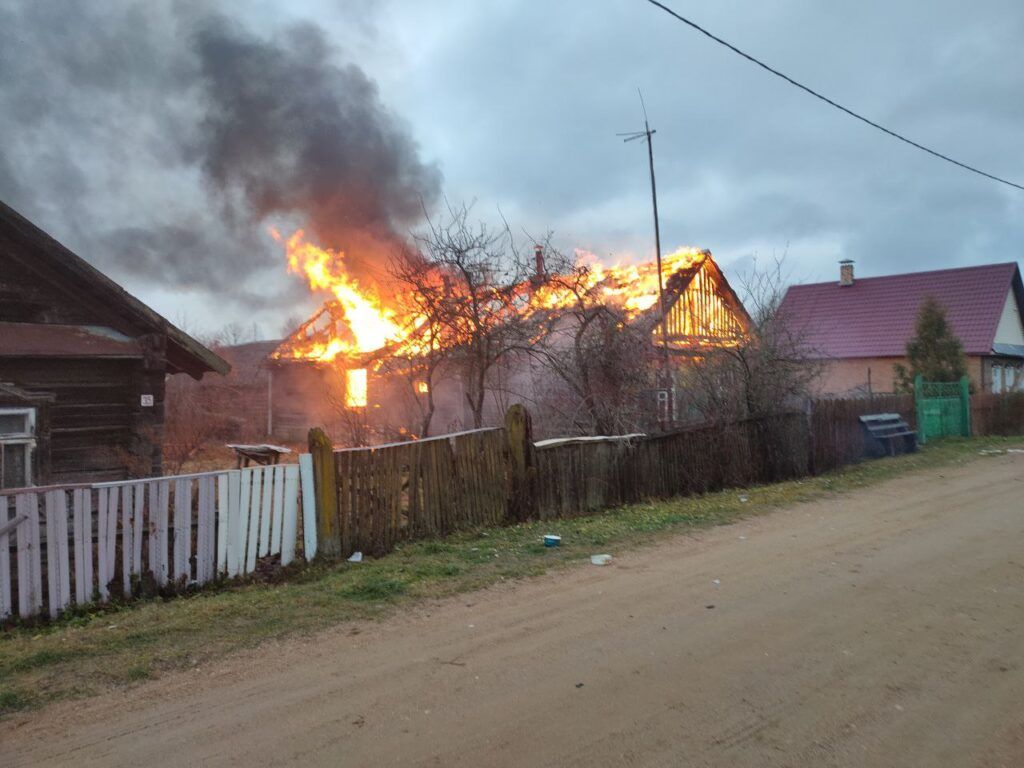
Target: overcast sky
{"points": [[159, 139]]}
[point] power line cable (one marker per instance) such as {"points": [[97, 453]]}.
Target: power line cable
{"points": [[829, 101]]}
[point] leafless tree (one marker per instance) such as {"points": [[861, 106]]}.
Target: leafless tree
{"points": [[770, 370], [422, 294], [470, 287], [356, 431], [593, 363], [189, 427]]}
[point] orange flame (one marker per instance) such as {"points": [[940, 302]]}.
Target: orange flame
{"points": [[355, 388], [369, 325], [631, 287]]}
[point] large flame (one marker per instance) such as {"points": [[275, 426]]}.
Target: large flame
{"points": [[369, 324], [630, 287]]}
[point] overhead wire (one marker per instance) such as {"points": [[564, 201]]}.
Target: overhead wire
{"points": [[830, 102]]}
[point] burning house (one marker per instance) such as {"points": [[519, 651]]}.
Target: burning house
{"points": [[357, 365]]}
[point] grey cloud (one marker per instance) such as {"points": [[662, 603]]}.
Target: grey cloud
{"points": [[519, 102], [160, 138]]}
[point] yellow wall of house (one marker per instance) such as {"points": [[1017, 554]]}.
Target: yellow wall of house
{"points": [[851, 376]]}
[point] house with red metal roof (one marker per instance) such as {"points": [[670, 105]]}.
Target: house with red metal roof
{"points": [[859, 328]]}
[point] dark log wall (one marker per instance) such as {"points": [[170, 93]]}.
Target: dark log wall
{"points": [[98, 429]]}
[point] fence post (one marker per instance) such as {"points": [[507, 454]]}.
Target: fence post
{"points": [[922, 436], [521, 503], [965, 404], [328, 534]]}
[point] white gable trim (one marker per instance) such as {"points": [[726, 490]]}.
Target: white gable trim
{"points": [[1010, 329]]}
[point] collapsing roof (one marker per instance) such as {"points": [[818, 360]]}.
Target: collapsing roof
{"points": [[876, 316], [95, 295], [701, 310]]}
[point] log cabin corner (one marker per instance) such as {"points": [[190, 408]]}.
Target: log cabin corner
{"points": [[82, 366]]}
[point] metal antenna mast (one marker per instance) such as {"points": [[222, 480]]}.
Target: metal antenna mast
{"points": [[647, 133]]}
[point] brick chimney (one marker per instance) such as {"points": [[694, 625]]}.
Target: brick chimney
{"points": [[540, 275], [846, 273]]}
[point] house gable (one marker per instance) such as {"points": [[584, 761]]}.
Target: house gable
{"points": [[42, 282], [1010, 329], [703, 309]]}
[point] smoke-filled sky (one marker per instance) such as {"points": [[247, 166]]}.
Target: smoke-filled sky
{"points": [[160, 139]]}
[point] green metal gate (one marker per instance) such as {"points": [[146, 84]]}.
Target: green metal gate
{"points": [[943, 408]]}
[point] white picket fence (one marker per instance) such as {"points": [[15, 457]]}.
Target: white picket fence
{"points": [[72, 542]]}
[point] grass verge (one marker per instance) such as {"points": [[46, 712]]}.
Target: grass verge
{"points": [[90, 651]]}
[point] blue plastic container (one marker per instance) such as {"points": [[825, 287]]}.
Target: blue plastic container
{"points": [[550, 540]]}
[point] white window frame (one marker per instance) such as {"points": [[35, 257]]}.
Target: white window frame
{"points": [[997, 379], [26, 439]]}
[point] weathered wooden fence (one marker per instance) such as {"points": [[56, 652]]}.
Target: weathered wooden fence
{"points": [[72, 545], [426, 488], [579, 476], [418, 489], [76, 544], [836, 435], [1001, 414], [837, 439]]}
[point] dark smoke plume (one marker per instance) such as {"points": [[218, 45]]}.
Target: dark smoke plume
{"points": [[294, 133], [158, 138]]}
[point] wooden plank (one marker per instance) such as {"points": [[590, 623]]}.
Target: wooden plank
{"points": [[413, 493], [290, 513], [265, 510], [182, 529], [205, 530], [30, 583], [153, 493], [101, 543], [63, 550], [234, 521], [82, 504], [278, 509], [6, 605], [241, 522], [159, 501], [223, 517], [308, 506], [324, 473], [138, 529], [343, 473], [252, 543], [127, 540], [57, 576], [112, 498]]}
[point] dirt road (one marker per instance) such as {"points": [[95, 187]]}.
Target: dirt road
{"points": [[880, 628]]}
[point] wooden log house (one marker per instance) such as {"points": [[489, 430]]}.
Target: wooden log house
{"points": [[82, 366]]}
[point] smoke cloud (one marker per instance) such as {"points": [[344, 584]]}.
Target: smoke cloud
{"points": [[160, 139], [294, 133]]}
